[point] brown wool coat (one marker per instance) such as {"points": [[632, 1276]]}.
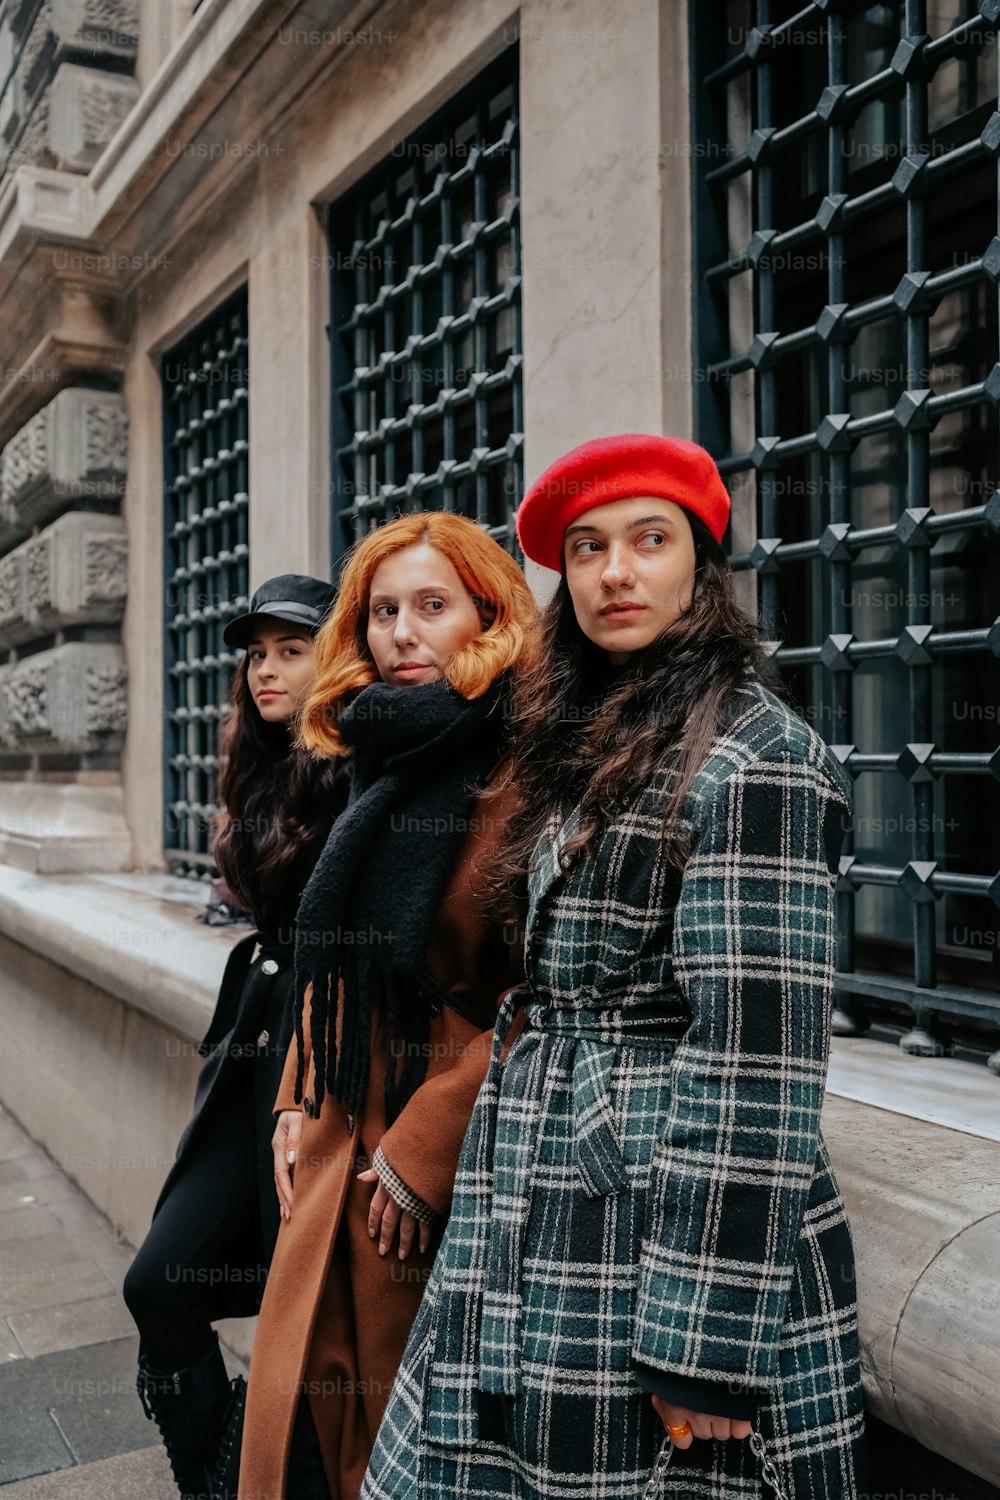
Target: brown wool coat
{"points": [[336, 1315]]}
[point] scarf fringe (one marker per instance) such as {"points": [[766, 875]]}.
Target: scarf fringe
{"points": [[322, 1026], [344, 1073], [298, 1013]]}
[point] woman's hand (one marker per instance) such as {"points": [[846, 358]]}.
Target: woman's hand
{"points": [[702, 1424], [385, 1216], [285, 1145]]}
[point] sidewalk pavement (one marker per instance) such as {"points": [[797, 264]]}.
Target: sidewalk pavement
{"points": [[71, 1426]]}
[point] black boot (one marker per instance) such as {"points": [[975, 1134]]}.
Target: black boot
{"points": [[225, 1480], [189, 1407]]}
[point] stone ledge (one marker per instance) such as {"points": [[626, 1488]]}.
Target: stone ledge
{"points": [[924, 1207], [133, 936], [57, 828], [40, 202], [108, 983], [923, 1199], [945, 1091]]}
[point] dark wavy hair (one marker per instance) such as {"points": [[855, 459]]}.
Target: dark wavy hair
{"points": [[574, 742], [272, 792]]}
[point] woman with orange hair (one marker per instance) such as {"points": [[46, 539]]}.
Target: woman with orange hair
{"points": [[400, 971]]}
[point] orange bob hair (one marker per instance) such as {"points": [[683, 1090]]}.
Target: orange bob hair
{"points": [[344, 664]]}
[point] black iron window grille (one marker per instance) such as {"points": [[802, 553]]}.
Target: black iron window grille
{"points": [[425, 325], [846, 226], [206, 579]]}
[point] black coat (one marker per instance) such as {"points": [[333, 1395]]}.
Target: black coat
{"points": [[245, 1048]]}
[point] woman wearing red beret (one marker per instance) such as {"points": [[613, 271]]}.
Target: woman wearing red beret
{"points": [[647, 1260]]}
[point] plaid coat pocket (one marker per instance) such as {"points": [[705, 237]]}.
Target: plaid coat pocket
{"points": [[599, 1156]]}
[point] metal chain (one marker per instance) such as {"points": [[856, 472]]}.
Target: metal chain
{"points": [[757, 1444], [663, 1458], [767, 1468]]}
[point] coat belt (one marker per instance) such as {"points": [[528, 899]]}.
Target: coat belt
{"points": [[450, 1408], [598, 1032]]}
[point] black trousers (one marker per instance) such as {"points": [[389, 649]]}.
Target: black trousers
{"points": [[306, 1479], [198, 1242]]}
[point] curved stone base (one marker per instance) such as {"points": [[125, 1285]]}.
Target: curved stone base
{"points": [[63, 828]]}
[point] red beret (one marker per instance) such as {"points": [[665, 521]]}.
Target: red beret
{"points": [[618, 468]]}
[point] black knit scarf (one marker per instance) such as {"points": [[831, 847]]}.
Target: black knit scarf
{"points": [[419, 756]]}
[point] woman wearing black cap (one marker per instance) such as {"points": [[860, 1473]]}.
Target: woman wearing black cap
{"points": [[214, 1226]]}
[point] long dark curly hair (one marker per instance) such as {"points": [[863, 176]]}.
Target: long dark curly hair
{"points": [[272, 792], [583, 733]]}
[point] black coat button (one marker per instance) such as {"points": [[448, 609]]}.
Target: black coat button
{"points": [[307, 1105]]}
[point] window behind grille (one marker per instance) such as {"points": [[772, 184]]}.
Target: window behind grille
{"points": [[205, 381], [426, 322], [845, 209]]}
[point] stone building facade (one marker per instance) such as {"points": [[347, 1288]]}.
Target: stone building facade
{"points": [[204, 383], [69, 82]]}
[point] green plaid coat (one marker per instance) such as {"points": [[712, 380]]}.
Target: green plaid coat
{"points": [[644, 1178]]}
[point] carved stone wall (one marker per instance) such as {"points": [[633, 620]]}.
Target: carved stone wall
{"points": [[66, 85], [54, 110], [87, 107], [73, 450], [72, 574], [63, 583], [71, 699]]}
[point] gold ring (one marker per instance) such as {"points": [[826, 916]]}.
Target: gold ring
{"points": [[681, 1431]]}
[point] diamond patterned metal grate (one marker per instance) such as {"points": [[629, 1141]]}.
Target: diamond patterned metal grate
{"points": [[848, 255], [205, 385], [425, 296]]}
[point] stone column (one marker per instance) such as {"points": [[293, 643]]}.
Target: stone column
{"points": [[289, 390], [605, 207]]}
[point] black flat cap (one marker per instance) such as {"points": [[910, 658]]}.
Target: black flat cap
{"points": [[288, 596]]}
